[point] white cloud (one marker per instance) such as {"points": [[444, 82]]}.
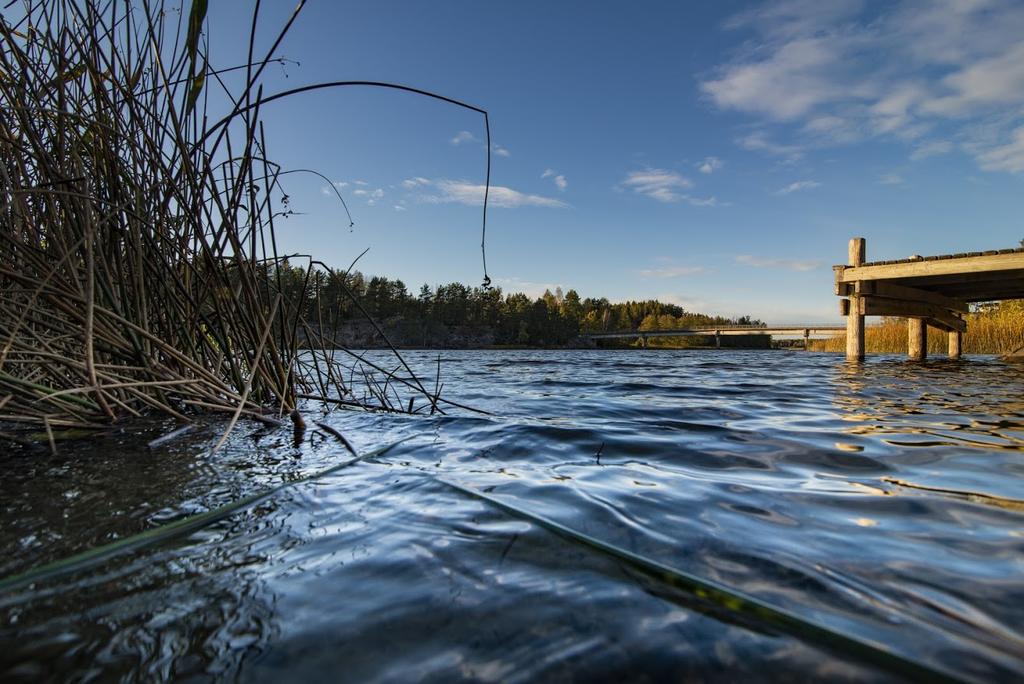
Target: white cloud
{"points": [[659, 184], [998, 80], [706, 202], [930, 149], [833, 73], [788, 83], [1008, 157], [666, 186], [340, 184], [759, 142], [467, 137], [372, 197], [472, 194], [463, 137], [894, 110], [891, 179], [360, 182], [415, 181], [784, 264], [797, 186], [399, 207], [710, 165], [794, 17], [559, 180], [672, 271], [829, 129]]}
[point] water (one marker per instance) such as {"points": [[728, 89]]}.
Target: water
{"points": [[884, 502]]}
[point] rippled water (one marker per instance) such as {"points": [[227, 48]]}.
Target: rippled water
{"points": [[883, 502]]}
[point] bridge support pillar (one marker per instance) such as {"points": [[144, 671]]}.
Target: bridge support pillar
{"points": [[854, 313], [917, 339], [955, 343], [718, 340]]}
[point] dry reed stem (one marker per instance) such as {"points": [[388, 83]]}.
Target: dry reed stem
{"points": [[139, 268]]}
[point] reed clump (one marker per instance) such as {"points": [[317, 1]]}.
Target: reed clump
{"points": [[139, 269], [991, 329]]}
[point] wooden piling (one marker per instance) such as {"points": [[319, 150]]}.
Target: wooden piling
{"points": [[955, 344], [917, 339], [855, 316]]}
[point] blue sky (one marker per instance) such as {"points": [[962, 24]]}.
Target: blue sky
{"points": [[717, 155]]}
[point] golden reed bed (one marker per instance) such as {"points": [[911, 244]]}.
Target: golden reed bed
{"points": [[997, 329]]}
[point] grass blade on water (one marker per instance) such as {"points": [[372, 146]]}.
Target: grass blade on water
{"points": [[173, 530], [727, 598]]}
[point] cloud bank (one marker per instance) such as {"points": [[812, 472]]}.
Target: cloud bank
{"points": [[936, 75]]}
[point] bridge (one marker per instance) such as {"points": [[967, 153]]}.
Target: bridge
{"points": [[805, 331]]}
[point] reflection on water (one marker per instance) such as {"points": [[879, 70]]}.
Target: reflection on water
{"points": [[883, 501]]}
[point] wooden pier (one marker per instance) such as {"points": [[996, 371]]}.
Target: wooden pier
{"points": [[928, 291]]}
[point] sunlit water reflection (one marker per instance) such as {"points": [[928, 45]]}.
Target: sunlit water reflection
{"points": [[884, 502]]}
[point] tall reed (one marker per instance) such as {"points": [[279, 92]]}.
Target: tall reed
{"points": [[992, 330], [138, 260]]}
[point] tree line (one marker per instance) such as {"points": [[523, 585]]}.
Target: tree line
{"points": [[335, 298]]}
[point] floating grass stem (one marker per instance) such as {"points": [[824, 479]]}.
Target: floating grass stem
{"points": [[165, 533], [727, 598]]}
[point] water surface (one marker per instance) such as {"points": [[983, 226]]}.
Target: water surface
{"points": [[883, 501]]}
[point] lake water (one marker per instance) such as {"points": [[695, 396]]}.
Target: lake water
{"points": [[883, 502]]}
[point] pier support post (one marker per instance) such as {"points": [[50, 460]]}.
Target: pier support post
{"points": [[718, 340], [955, 343], [643, 341], [917, 339], [807, 340], [855, 317]]}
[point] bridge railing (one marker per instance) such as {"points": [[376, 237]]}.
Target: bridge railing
{"points": [[711, 330], [700, 328]]}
